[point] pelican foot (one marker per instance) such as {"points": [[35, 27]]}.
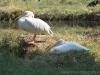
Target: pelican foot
{"points": [[40, 41], [31, 42]]}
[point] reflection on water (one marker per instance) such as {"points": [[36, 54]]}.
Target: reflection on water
{"points": [[8, 25], [80, 23], [56, 23]]}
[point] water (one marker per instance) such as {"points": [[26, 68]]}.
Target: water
{"points": [[92, 24], [58, 27], [61, 27]]}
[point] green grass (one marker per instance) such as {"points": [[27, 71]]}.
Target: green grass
{"points": [[14, 62]]}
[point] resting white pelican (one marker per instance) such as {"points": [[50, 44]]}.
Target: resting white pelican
{"points": [[66, 46], [33, 25]]}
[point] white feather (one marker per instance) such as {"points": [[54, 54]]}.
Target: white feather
{"points": [[58, 43], [68, 46], [34, 25]]}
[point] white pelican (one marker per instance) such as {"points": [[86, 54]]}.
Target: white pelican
{"points": [[33, 25], [65, 47]]}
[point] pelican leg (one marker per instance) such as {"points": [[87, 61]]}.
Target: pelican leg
{"points": [[34, 38], [32, 41]]}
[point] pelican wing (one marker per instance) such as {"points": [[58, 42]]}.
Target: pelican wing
{"points": [[38, 26]]}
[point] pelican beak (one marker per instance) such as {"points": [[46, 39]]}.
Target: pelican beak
{"points": [[24, 14], [15, 19]]}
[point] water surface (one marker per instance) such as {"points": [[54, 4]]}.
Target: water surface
{"points": [[91, 24]]}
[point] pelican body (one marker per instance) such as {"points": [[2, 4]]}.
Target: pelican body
{"points": [[62, 46], [33, 25]]}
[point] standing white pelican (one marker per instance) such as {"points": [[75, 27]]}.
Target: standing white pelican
{"points": [[33, 25]]}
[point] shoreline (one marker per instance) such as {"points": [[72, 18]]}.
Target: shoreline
{"points": [[93, 16]]}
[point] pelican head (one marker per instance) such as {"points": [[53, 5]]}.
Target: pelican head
{"points": [[27, 14]]}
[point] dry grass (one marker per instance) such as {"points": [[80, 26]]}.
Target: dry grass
{"points": [[42, 44]]}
